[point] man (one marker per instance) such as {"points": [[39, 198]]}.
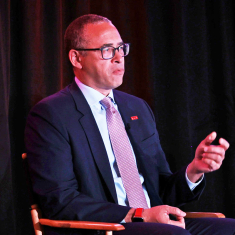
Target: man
{"points": [[75, 166]]}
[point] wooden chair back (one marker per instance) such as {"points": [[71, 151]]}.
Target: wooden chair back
{"points": [[39, 222]]}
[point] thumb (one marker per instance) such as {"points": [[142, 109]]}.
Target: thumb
{"points": [[210, 138]]}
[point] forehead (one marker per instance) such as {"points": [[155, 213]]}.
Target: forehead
{"points": [[102, 33]]}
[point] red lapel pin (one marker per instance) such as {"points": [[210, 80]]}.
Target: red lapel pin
{"points": [[134, 118]]}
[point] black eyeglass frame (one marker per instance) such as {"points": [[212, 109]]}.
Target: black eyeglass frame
{"points": [[102, 48]]}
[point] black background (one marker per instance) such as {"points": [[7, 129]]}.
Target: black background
{"points": [[181, 62]]}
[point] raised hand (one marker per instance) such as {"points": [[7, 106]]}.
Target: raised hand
{"points": [[208, 157]]}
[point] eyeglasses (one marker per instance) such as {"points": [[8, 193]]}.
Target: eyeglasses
{"points": [[108, 52]]}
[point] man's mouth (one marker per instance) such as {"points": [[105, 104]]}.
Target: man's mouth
{"points": [[118, 71]]}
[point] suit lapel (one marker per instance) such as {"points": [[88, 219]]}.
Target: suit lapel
{"points": [[94, 138]]}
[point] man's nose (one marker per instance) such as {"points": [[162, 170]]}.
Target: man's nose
{"points": [[118, 58]]}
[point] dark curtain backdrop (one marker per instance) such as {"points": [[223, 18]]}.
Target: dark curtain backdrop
{"points": [[181, 62]]}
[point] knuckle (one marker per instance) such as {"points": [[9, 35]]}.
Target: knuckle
{"points": [[167, 207], [217, 159], [206, 160]]}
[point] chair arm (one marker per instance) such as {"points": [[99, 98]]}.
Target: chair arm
{"points": [[204, 214], [82, 224]]}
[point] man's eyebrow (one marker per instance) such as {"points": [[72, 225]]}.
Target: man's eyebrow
{"points": [[111, 44]]}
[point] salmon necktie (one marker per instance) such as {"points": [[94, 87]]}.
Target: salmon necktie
{"points": [[124, 156]]}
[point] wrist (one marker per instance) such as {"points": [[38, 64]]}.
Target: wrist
{"points": [[138, 215], [129, 215], [193, 174], [146, 215]]}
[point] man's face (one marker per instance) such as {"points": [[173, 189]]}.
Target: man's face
{"points": [[102, 75]]}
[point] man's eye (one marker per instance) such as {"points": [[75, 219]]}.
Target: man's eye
{"points": [[106, 48]]}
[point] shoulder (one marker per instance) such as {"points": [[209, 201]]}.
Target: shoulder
{"points": [[55, 109], [61, 101], [60, 97], [120, 95], [131, 101]]}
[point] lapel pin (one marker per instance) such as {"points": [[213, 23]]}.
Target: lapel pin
{"points": [[134, 118]]}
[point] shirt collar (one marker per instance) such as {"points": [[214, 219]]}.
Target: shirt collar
{"points": [[92, 96]]}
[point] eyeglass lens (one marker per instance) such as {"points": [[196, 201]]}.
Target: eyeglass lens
{"points": [[109, 52]]}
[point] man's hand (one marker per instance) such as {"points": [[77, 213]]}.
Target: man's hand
{"points": [[160, 214], [208, 157]]}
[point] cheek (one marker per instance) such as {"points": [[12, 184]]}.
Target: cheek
{"points": [[105, 69]]}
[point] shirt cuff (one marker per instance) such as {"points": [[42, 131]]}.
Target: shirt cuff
{"points": [[192, 185]]}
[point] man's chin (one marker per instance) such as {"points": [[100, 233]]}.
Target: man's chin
{"points": [[117, 84]]}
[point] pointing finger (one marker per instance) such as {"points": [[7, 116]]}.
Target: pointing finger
{"points": [[210, 138]]}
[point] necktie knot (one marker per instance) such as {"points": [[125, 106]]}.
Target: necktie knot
{"points": [[106, 102]]}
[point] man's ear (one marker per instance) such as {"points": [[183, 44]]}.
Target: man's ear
{"points": [[75, 59]]}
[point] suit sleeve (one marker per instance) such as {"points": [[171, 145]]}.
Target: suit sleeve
{"points": [[50, 159]]}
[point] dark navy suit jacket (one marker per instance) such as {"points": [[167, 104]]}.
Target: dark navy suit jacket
{"points": [[69, 165]]}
